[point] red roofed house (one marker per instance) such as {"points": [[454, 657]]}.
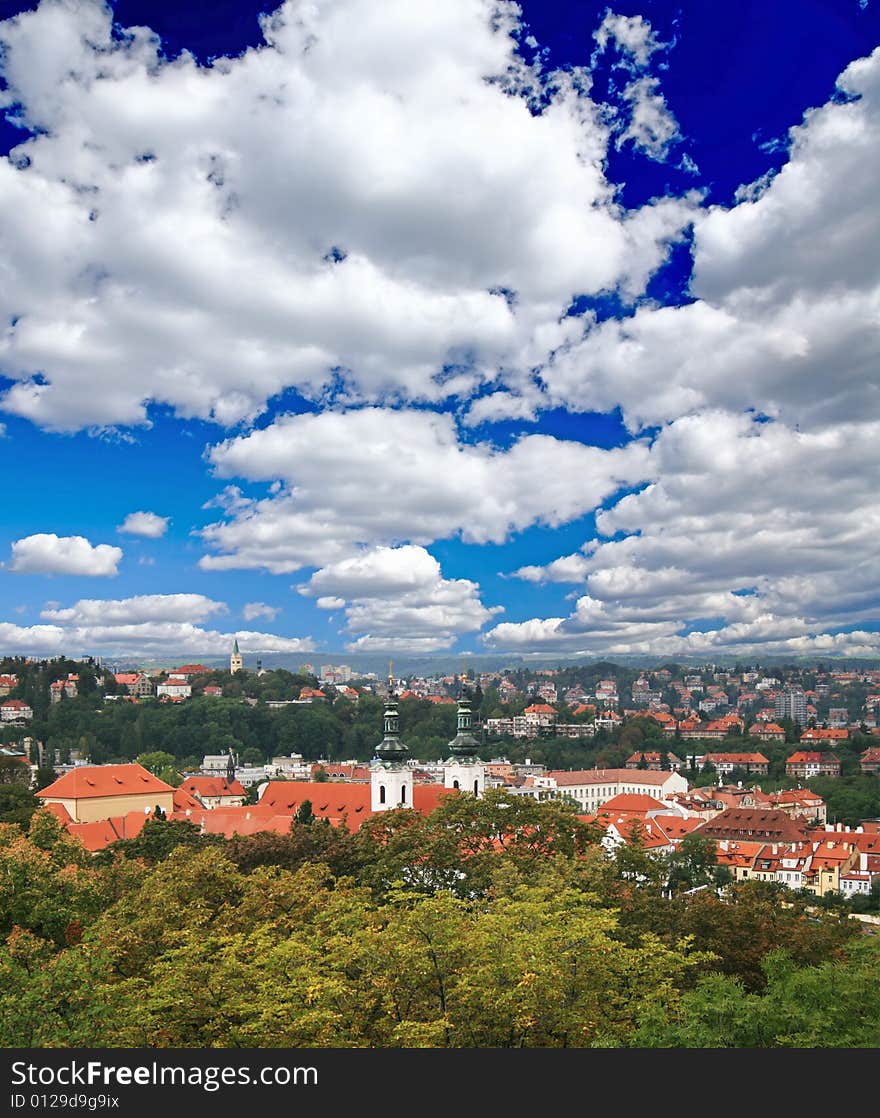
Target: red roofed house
{"points": [[215, 791], [539, 714], [804, 764], [188, 670], [654, 761], [817, 737], [727, 762], [135, 683], [212, 691], [7, 682], [869, 761], [754, 823], [767, 731], [93, 792], [799, 803], [15, 710], [175, 689]]}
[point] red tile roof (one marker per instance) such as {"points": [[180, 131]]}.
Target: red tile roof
{"points": [[91, 781], [565, 778], [633, 803], [95, 836], [212, 786]]}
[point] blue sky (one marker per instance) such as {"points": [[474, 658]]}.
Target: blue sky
{"points": [[449, 327]]}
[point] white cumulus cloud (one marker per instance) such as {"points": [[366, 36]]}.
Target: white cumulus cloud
{"points": [[145, 524], [259, 609], [46, 553], [375, 476], [382, 200], [397, 598]]}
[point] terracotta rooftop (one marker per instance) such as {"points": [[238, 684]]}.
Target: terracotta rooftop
{"points": [[92, 781]]}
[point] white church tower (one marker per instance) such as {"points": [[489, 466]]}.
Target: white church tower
{"points": [[391, 778], [236, 663], [464, 770]]}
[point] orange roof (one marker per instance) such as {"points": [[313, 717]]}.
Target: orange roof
{"points": [[212, 786], [804, 757], [676, 827], [825, 735], [229, 821], [60, 811], [91, 781], [632, 802], [95, 836], [183, 800], [336, 801], [540, 708], [738, 758]]}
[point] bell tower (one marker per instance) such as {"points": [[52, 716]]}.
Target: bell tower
{"points": [[391, 778]]}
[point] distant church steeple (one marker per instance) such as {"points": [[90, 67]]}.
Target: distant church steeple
{"points": [[236, 663]]}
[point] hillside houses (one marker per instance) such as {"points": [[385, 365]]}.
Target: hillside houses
{"points": [[805, 763], [726, 762]]}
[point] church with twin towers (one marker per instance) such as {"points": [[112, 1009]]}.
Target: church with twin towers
{"points": [[391, 776]]}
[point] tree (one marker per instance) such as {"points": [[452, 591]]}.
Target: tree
{"points": [[693, 864], [162, 765], [14, 770], [158, 839], [304, 813], [17, 804]]}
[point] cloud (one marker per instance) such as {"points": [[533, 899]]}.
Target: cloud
{"points": [[397, 598], [642, 117], [146, 625], [145, 524], [137, 610], [652, 128], [380, 202], [259, 609], [752, 535], [785, 288], [380, 477], [32, 639], [632, 38], [46, 553]]}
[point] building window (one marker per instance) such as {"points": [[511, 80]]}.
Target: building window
{"points": [[381, 793], [403, 794], [476, 787], [455, 784]]}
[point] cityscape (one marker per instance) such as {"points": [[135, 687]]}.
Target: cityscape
{"points": [[438, 596]]}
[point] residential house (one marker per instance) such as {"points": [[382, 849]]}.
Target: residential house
{"points": [[804, 764], [755, 824], [767, 731], [869, 761], [823, 737], [15, 710], [214, 791], [175, 690], [654, 759], [727, 762]]}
